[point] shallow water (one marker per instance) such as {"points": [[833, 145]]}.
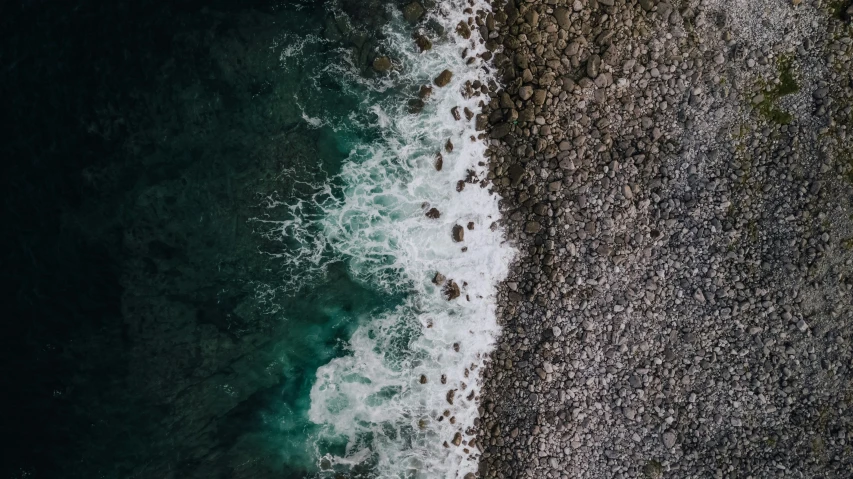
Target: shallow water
{"points": [[257, 200]]}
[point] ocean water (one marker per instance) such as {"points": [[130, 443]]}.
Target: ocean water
{"points": [[246, 281], [406, 383]]}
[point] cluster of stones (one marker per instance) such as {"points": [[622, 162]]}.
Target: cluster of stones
{"points": [[683, 302]]}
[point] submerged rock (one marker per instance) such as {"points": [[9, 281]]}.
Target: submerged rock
{"points": [[413, 12]]}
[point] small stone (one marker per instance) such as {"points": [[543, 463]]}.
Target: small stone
{"points": [[802, 325], [457, 439], [635, 381], [433, 213], [438, 279], [525, 92], [669, 438]]}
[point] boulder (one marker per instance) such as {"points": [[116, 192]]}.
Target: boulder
{"points": [[382, 64], [458, 233], [443, 78]]}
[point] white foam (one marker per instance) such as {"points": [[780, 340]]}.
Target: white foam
{"points": [[376, 221]]}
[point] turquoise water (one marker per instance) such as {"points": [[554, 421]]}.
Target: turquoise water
{"points": [[400, 398]]}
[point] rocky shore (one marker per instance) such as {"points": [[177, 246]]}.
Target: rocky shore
{"points": [[678, 179]]}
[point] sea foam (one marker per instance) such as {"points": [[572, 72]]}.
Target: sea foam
{"points": [[372, 215]]}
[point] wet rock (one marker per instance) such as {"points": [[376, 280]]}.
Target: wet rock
{"points": [[457, 439], [433, 213], [424, 92], [439, 162], [458, 233], [438, 279], [443, 78], [463, 30], [451, 290], [423, 43], [382, 64]]}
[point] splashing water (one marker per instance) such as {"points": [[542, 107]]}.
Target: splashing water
{"points": [[404, 397]]}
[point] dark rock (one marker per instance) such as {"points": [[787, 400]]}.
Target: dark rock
{"points": [[501, 130], [443, 78], [463, 30], [458, 233], [423, 43], [516, 174], [451, 291], [433, 213], [382, 64]]}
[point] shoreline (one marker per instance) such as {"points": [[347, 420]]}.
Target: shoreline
{"points": [[676, 178]]}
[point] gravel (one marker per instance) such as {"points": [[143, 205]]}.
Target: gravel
{"points": [[678, 177]]}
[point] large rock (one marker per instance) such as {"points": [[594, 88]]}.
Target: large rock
{"points": [[463, 30], [458, 233], [451, 290], [382, 64], [443, 78], [423, 43]]}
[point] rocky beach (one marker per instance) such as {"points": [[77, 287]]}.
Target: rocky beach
{"points": [[677, 177], [425, 239]]}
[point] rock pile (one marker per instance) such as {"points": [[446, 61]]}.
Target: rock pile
{"points": [[678, 176]]}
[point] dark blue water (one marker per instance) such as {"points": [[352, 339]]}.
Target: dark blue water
{"points": [[141, 137], [216, 257]]}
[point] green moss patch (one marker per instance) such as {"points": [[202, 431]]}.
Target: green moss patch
{"points": [[787, 86]]}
